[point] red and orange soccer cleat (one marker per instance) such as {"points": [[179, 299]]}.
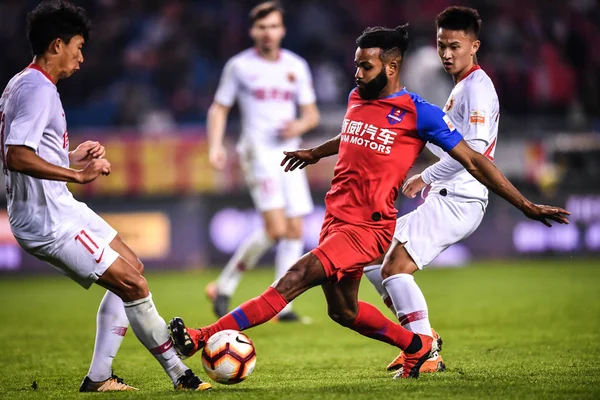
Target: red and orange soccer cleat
{"points": [[187, 341], [413, 361], [435, 363]]}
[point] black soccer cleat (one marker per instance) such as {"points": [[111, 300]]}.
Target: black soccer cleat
{"points": [[221, 305], [186, 341], [189, 381]]}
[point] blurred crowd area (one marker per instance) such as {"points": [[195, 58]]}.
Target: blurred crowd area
{"points": [[155, 64]]}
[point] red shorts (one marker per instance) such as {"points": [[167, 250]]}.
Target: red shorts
{"points": [[345, 249]]}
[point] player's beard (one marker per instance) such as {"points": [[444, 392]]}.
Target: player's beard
{"points": [[371, 89]]}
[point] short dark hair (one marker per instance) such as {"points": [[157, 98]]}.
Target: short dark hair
{"points": [[458, 18], [55, 19], [391, 41], [261, 10]]}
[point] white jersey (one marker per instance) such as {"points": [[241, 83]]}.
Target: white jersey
{"points": [[474, 111], [32, 115], [267, 93]]}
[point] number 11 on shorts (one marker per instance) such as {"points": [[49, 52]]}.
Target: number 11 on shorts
{"points": [[87, 241]]}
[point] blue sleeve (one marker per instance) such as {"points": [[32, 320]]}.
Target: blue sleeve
{"points": [[434, 126]]}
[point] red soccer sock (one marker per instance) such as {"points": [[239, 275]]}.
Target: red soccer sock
{"points": [[372, 323], [253, 312]]}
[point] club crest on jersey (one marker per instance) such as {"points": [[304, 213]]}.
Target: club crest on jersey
{"points": [[395, 116], [291, 77]]}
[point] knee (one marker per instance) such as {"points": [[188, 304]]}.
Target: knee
{"points": [[135, 287], [306, 273], [344, 317], [296, 277], [294, 231], [393, 265], [276, 232], [139, 266]]}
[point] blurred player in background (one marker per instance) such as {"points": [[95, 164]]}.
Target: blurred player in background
{"points": [[384, 130], [50, 224], [269, 83], [456, 201]]}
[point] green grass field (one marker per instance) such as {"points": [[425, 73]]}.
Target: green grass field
{"points": [[510, 329]]}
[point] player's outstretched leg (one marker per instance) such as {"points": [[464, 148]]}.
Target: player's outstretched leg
{"points": [[306, 273], [345, 309], [126, 282], [245, 257]]}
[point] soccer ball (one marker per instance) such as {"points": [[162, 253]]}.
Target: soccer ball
{"points": [[228, 357]]}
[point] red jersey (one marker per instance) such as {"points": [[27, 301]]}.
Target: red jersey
{"points": [[380, 141]]}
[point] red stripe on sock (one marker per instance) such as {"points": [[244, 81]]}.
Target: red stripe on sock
{"points": [[257, 310], [412, 317], [119, 330], [163, 347], [242, 266]]}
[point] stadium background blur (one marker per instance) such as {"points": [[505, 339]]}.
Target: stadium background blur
{"points": [[152, 67]]}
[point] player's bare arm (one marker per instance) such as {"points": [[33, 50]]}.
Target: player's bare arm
{"points": [[304, 157], [24, 160], [86, 152], [215, 125], [309, 119], [487, 173]]}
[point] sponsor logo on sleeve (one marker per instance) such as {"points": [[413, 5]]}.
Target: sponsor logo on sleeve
{"points": [[477, 117], [448, 122]]}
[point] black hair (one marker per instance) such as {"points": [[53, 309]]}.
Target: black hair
{"points": [[458, 18], [261, 10], [391, 41], [55, 19]]}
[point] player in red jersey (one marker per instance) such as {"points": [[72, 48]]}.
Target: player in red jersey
{"points": [[384, 130]]}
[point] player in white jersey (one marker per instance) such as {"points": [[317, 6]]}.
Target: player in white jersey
{"points": [[269, 84], [50, 224], [456, 202]]}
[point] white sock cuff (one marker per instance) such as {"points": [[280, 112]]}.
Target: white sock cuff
{"points": [[372, 268], [398, 276], [134, 303]]}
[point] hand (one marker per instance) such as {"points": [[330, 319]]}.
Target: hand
{"points": [[217, 156], [413, 185], [542, 213], [299, 158], [93, 169], [86, 152], [292, 129]]}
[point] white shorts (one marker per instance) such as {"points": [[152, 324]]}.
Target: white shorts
{"points": [[436, 225], [271, 187], [79, 249]]}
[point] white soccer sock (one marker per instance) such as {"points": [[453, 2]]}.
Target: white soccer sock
{"points": [[111, 326], [288, 252], [373, 274], [151, 330], [245, 257], [409, 302]]}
